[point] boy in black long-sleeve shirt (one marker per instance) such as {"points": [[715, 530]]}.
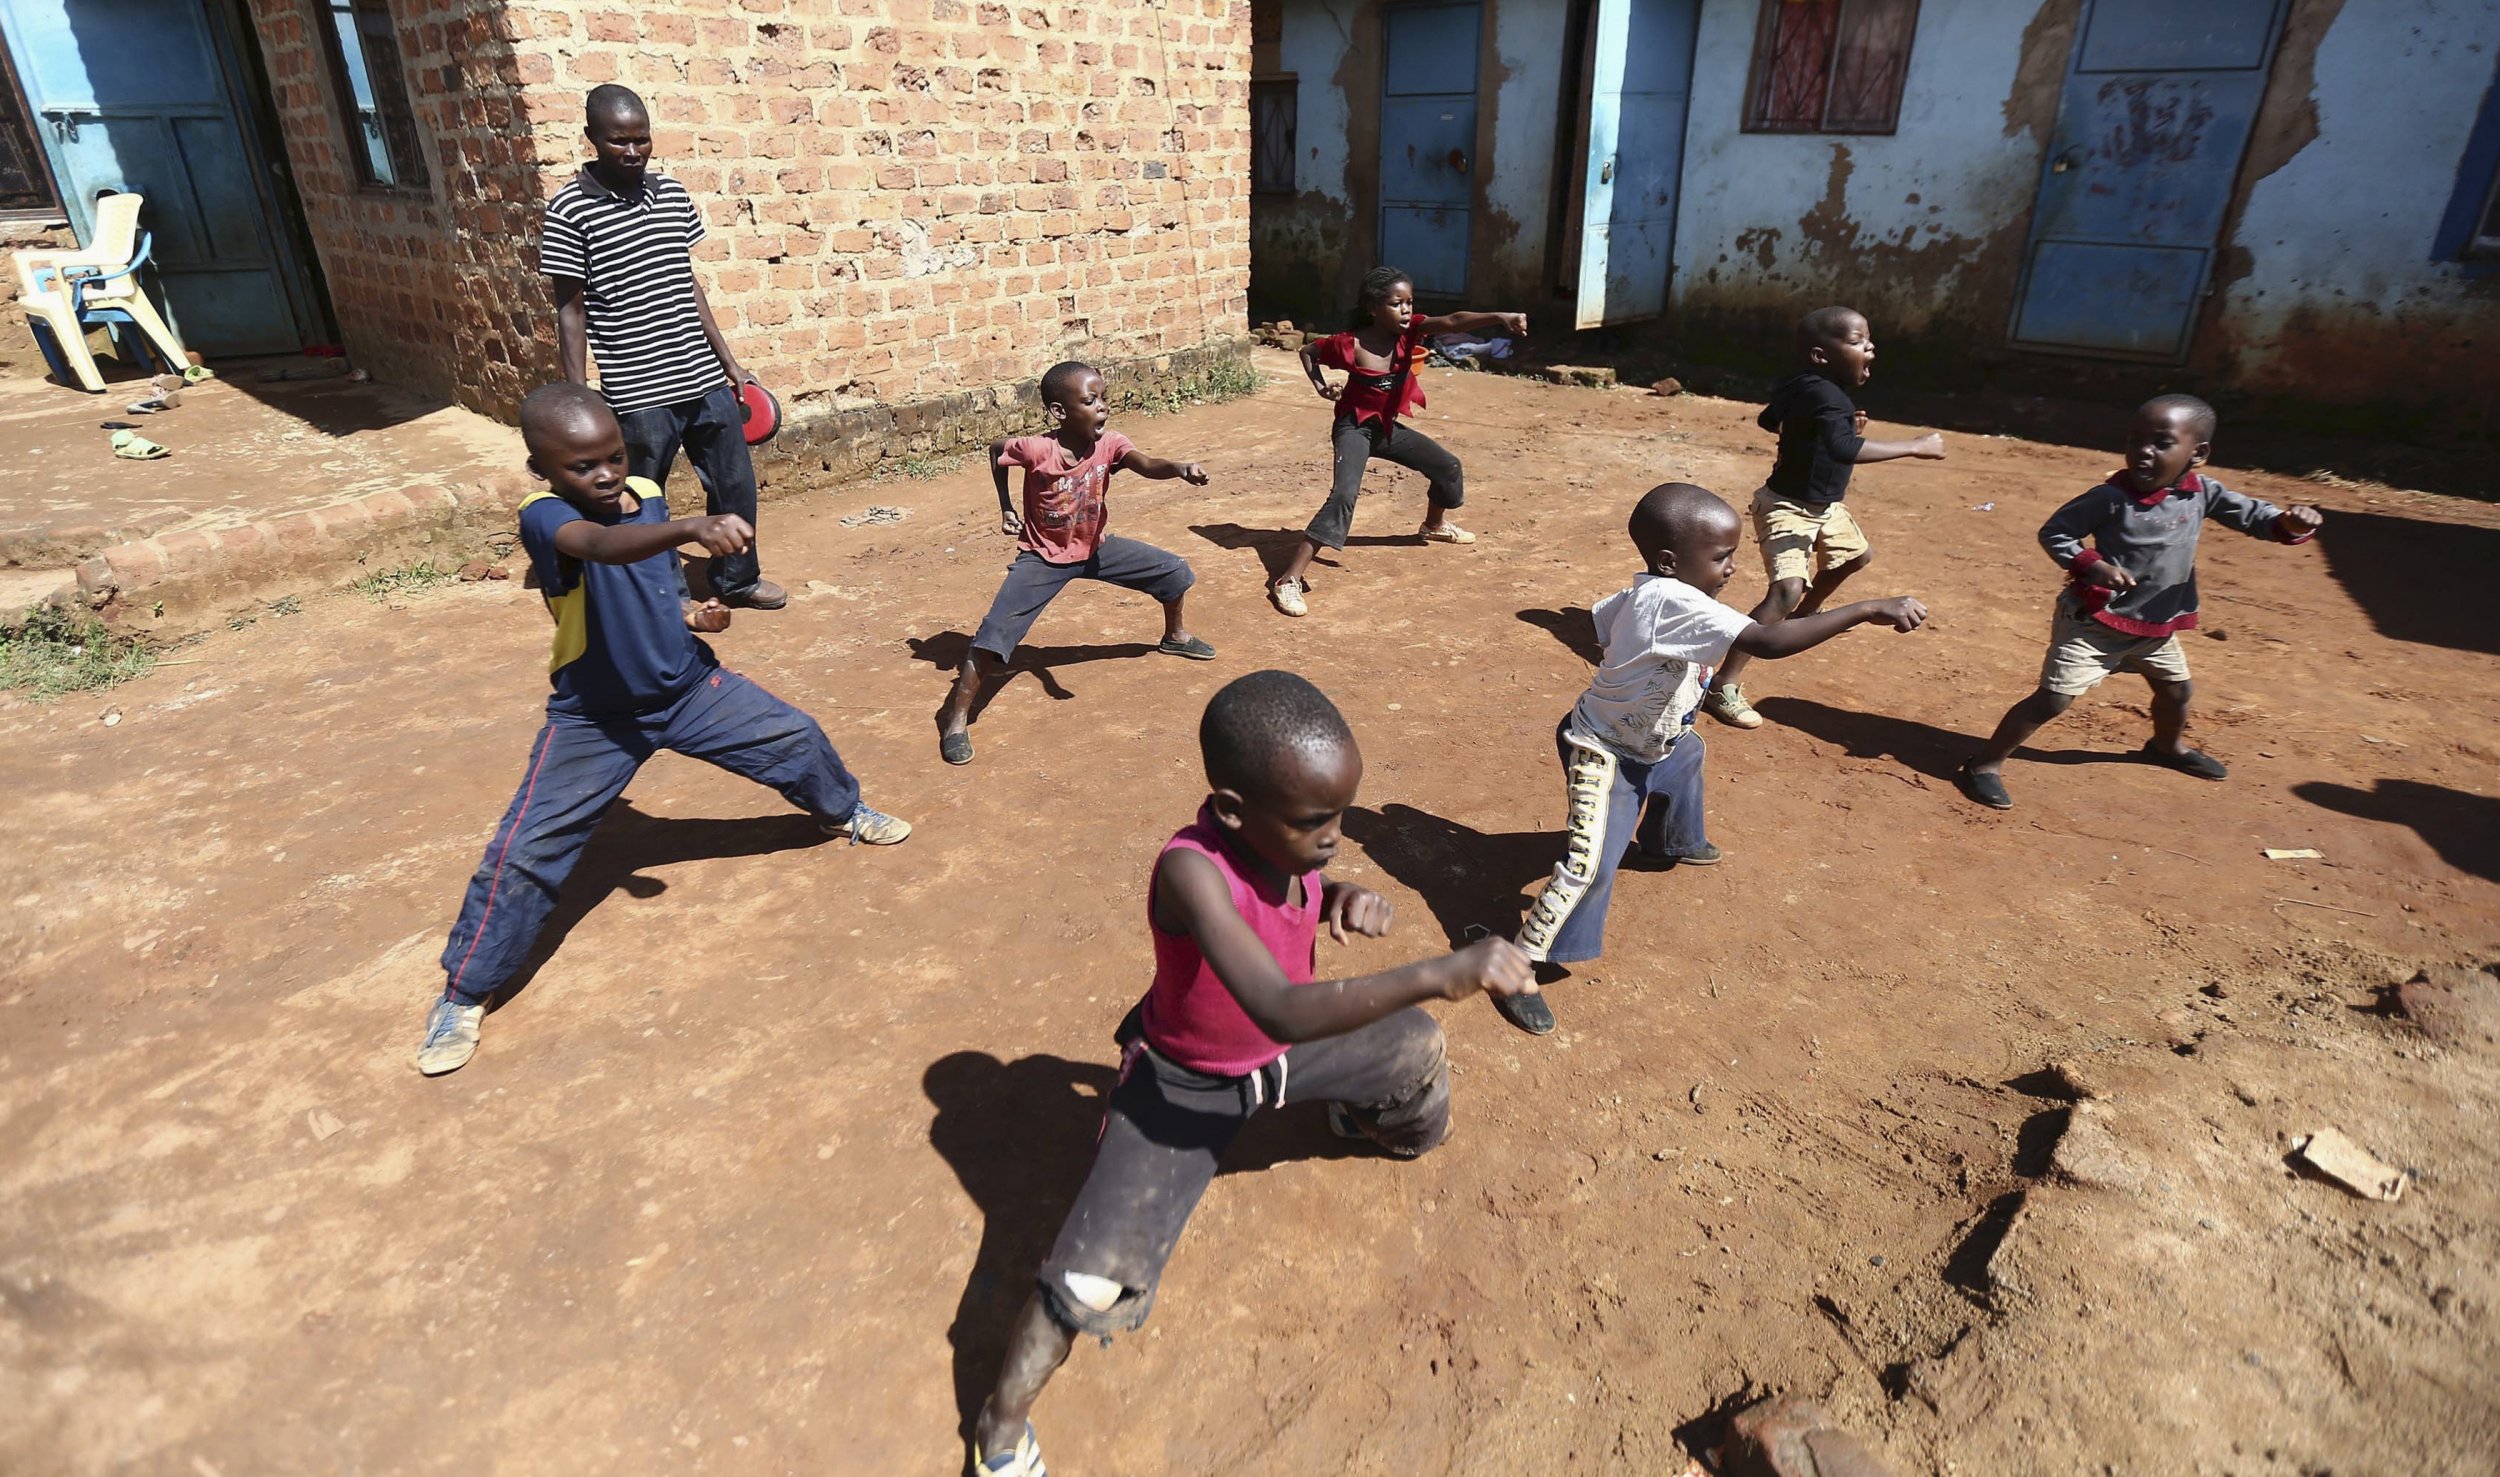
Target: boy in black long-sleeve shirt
{"points": [[1809, 542], [2133, 589]]}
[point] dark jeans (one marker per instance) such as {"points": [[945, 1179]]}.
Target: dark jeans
{"points": [[1033, 582], [1356, 445], [577, 769], [1167, 1126], [713, 432]]}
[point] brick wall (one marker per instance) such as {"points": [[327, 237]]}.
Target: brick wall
{"points": [[907, 199]]}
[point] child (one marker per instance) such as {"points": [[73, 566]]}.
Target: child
{"points": [[1379, 356], [1631, 762], [1060, 537], [1805, 528], [630, 679], [1235, 907], [2129, 595]]}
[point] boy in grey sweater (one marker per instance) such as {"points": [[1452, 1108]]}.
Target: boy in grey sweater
{"points": [[2133, 588]]}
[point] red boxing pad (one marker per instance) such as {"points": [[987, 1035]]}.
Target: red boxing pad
{"points": [[763, 412]]}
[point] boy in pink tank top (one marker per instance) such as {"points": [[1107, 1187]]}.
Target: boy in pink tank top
{"points": [[1233, 1023]]}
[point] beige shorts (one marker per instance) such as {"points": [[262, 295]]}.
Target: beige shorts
{"points": [[1798, 542], [2082, 651]]}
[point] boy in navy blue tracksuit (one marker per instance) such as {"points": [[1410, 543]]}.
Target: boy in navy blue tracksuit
{"points": [[630, 679]]}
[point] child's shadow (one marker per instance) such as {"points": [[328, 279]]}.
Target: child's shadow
{"points": [[1469, 878], [1276, 545], [629, 842], [1020, 1136], [948, 650], [1573, 626], [1932, 751]]}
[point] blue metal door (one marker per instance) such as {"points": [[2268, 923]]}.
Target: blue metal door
{"points": [[2150, 133], [1636, 156], [139, 95], [1428, 143]]}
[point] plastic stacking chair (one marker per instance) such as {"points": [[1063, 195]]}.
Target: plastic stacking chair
{"points": [[66, 293]]}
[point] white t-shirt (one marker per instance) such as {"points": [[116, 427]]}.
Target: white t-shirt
{"points": [[1663, 638]]}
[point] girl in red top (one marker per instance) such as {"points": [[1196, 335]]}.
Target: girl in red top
{"points": [[1380, 356]]}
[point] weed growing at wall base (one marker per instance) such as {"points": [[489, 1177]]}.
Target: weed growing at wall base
{"points": [[51, 651], [390, 584], [1225, 379]]}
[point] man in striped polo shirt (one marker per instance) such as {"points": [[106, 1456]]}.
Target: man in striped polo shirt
{"points": [[617, 250]]}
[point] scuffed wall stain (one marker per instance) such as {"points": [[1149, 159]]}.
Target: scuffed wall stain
{"points": [[2040, 73]]}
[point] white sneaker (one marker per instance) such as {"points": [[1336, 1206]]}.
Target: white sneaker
{"points": [[867, 827], [1288, 597], [1447, 533], [451, 1031]]}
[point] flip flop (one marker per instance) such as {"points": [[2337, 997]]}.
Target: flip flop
{"points": [[193, 374], [1193, 648], [2195, 761], [149, 407], [135, 447], [1982, 789]]}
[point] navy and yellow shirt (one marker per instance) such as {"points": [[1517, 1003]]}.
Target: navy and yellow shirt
{"points": [[621, 645]]}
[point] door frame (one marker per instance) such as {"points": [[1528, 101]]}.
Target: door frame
{"points": [[1479, 149], [2203, 300]]}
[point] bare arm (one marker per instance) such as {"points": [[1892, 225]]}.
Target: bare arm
{"points": [[1192, 897], [1927, 448], [572, 329], [1010, 522], [1799, 632], [711, 330], [631, 543], [1319, 381], [1514, 325], [1157, 469]]}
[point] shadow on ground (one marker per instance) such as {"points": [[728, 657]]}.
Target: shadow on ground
{"points": [[628, 844], [2464, 828], [2417, 580], [1020, 1136], [1469, 878], [947, 651], [1573, 626]]}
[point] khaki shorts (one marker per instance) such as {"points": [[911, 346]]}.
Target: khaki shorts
{"points": [[2082, 651], [1799, 542]]}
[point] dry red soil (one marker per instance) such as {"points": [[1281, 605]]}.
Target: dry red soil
{"points": [[752, 1174]]}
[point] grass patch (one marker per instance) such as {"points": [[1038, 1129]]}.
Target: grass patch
{"points": [[918, 468], [408, 579], [1225, 379], [51, 651]]}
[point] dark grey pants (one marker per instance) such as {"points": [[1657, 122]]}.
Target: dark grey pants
{"points": [[713, 432], [1033, 582], [1167, 1126], [1356, 444]]}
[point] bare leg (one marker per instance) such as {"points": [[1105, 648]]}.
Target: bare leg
{"points": [[1174, 627], [979, 670], [1036, 1347], [2170, 716], [1299, 563], [1827, 582], [2023, 720], [1777, 605]]}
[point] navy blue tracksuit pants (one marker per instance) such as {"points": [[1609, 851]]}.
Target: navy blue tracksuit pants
{"points": [[577, 769]]}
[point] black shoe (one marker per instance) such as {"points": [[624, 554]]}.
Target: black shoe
{"points": [[762, 595], [1529, 1013], [1982, 789], [956, 747], [2191, 761]]}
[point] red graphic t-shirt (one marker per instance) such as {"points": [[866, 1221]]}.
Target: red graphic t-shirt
{"points": [[1065, 515], [1366, 396]]}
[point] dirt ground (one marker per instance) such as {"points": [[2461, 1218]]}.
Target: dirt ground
{"points": [[752, 1174]]}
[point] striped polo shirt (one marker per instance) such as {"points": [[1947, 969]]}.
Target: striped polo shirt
{"points": [[631, 254]]}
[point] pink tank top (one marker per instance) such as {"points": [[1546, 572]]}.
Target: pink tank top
{"points": [[1189, 1017]]}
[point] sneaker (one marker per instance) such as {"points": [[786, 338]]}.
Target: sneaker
{"points": [[1024, 1459], [1529, 1013], [1288, 597], [451, 1031], [1728, 705], [868, 827], [1447, 533], [1707, 856], [762, 595]]}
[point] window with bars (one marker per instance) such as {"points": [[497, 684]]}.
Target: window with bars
{"points": [[373, 94], [1830, 66], [25, 179], [1273, 106]]}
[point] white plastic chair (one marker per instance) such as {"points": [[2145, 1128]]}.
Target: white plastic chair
{"points": [[64, 293]]}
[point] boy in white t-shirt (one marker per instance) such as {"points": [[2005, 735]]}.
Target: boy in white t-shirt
{"points": [[1631, 762]]}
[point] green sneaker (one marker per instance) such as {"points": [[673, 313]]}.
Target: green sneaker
{"points": [[1728, 705], [451, 1031]]}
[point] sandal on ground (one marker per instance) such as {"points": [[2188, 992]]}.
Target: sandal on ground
{"points": [[195, 373], [1287, 595], [1982, 789], [1447, 533], [1192, 648], [1529, 1013], [1024, 1459], [137, 448], [2194, 761], [956, 747]]}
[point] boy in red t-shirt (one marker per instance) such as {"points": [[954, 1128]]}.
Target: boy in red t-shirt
{"points": [[1232, 1023], [1379, 356], [1061, 537]]}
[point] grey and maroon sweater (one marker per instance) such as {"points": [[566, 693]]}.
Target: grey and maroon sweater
{"points": [[2153, 537]]}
